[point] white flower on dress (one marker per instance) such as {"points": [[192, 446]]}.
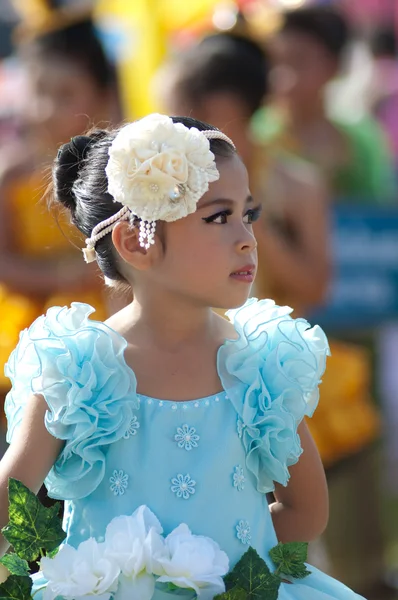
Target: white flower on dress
{"points": [[194, 562], [183, 486], [132, 557], [75, 574], [119, 482], [243, 532], [135, 544], [141, 587], [186, 437], [239, 478], [133, 428], [160, 169]]}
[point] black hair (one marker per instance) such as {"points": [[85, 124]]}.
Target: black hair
{"points": [[80, 185], [223, 62], [77, 42], [325, 25], [384, 42]]}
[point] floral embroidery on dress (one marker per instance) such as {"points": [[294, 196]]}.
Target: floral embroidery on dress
{"points": [[119, 482], [238, 478], [133, 428], [243, 532], [187, 437], [239, 427], [183, 486]]}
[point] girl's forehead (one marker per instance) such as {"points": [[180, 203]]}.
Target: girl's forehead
{"points": [[227, 164], [233, 183]]}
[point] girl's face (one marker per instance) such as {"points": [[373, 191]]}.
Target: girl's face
{"points": [[62, 101], [210, 256]]}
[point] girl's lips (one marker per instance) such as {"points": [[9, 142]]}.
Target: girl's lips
{"points": [[246, 274]]}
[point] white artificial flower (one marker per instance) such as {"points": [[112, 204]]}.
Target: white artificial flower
{"points": [[160, 169], [77, 574], [135, 588], [135, 543], [194, 562]]}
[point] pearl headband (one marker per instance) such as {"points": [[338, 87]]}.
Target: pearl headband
{"points": [[158, 170]]}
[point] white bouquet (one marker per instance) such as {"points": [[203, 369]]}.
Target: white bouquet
{"points": [[134, 557]]}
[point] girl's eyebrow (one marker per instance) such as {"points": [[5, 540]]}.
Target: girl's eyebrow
{"points": [[227, 201]]}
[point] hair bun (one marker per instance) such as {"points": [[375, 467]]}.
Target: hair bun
{"points": [[67, 166], [80, 144]]}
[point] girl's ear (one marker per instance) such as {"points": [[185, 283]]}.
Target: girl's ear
{"points": [[125, 238]]}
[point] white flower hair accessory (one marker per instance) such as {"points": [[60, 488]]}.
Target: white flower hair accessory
{"points": [[158, 170]]}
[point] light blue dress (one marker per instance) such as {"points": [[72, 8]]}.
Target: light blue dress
{"points": [[208, 462]]}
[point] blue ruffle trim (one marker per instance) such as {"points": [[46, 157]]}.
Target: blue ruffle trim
{"points": [[271, 374], [78, 366]]}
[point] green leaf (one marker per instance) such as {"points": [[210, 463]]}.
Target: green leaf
{"points": [[53, 553], [252, 575], [15, 565], [290, 558], [16, 588], [31, 525], [235, 594]]}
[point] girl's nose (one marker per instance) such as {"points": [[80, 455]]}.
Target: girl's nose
{"points": [[247, 242]]}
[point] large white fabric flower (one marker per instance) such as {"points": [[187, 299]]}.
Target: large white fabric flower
{"points": [[160, 169], [194, 562], [77, 574], [135, 544]]}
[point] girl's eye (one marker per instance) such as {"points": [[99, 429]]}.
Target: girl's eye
{"points": [[252, 215], [220, 218]]}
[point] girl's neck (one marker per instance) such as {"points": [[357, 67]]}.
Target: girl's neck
{"points": [[164, 322]]}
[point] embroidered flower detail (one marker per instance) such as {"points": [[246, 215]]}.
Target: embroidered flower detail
{"points": [[239, 478], [119, 482], [239, 427], [183, 486], [243, 532], [186, 437], [160, 169], [133, 428]]}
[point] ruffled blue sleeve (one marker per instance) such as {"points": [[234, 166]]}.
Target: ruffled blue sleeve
{"points": [[271, 374], [78, 366]]}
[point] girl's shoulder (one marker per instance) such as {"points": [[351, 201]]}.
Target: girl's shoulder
{"points": [[77, 365], [271, 373]]}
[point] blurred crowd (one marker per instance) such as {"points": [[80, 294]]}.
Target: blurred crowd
{"points": [[309, 95]]}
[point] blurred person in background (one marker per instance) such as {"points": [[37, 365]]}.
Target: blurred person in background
{"points": [[384, 101], [69, 85], [384, 90], [223, 80], [355, 160], [307, 53]]}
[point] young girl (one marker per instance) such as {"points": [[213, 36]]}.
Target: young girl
{"points": [[167, 407]]}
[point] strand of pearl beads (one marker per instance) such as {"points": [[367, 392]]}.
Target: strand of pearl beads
{"points": [[147, 234]]}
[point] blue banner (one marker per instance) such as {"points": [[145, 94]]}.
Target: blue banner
{"points": [[364, 288]]}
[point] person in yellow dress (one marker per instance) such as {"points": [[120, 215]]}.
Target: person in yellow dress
{"points": [[70, 85]]}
